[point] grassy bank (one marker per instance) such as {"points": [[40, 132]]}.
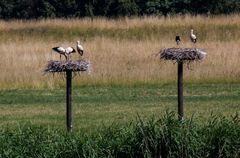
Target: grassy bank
{"points": [[164, 137], [121, 51], [96, 105]]}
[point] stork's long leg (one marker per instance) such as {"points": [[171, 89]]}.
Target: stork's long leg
{"points": [[65, 56], [80, 57]]}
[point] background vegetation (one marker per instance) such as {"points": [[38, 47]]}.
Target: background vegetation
{"points": [[122, 51], [28, 9]]}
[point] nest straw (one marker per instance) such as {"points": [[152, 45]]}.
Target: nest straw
{"points": [[182, 54], [63, 66]]}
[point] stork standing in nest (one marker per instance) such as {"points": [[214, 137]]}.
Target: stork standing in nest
{"points": [[178, 39], [65, 52], [193, 37], [69, 51], [61, 51], [79, 48]]}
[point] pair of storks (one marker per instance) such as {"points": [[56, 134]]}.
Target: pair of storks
{"points": [[68, 51], [192, 37]]}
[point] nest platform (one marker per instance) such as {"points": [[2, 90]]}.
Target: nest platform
{"points": [[64, 66], [182, 54]]}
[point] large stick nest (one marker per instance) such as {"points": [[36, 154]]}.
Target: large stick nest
{"points": [[182, 54], [63, 66]]}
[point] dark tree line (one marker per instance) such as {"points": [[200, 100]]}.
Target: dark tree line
{"points": [[28, 9]]}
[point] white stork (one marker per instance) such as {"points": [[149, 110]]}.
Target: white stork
{"points": [[61, 51], [79, 48], [193, 37], [178, 39], [69, 51]]}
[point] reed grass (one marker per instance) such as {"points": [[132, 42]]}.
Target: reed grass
{"points": [[164, 137], [121, 50]]}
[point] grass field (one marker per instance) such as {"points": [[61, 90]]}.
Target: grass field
{"points": [[121, 51], [126, 78], [94, 106]]}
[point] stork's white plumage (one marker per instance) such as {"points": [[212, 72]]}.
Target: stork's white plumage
{"points": [[60, 50], [79, 48], [193, 37], [69, 51]]}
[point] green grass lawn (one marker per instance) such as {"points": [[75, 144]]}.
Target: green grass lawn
{"points": [[97, 105]]}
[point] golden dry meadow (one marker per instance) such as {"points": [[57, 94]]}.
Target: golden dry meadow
{"points": [[122, 51]]}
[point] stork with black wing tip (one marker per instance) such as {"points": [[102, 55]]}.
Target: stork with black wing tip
{"points": [[60, 50], [178, 39], [193, 37], [69, 51], [79, 48]]}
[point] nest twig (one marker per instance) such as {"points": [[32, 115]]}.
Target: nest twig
{"points": [[63, 66], [182, 54]]}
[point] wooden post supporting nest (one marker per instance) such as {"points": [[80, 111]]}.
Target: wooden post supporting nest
{"points": [[69, 100], [68, 67], [180, 90], [181, 55]]}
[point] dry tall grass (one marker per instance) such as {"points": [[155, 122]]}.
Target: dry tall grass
{"points": [[119, 60]]}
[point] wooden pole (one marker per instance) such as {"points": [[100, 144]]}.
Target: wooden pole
{"points": [[69, 101], [180, 90]]}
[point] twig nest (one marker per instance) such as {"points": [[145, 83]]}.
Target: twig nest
{"points": [[63, 66], [182, 54]]}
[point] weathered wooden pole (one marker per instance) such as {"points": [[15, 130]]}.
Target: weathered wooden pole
{"points": [[69, 100], [180, 90], [68, 67], [180, 55]]}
